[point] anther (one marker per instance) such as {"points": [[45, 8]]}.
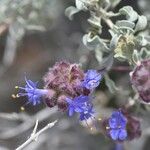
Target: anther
{"points": [[22, 108], [17, 95], [99, 119], [13, 96]]}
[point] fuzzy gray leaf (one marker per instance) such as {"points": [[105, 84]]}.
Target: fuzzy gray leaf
{"points": [[125, 24], [135, 56], [93, 42], [70, 11], [99, 55], [110, 84], [80, 4], [141, 24], [114, 41], [130, 14], [95, 21]]}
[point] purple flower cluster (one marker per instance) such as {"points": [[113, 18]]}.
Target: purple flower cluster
{"points": [[67, 87]]}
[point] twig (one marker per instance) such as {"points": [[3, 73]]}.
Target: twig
{"points": [[34, 136], [35, 128]]}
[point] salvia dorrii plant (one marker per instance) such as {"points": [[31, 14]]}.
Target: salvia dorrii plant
{"points": [[71, 88]]}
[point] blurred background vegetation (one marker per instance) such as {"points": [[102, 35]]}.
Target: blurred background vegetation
{"points": [[34, 34]]}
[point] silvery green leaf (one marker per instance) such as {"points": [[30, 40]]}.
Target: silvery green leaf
{"points": [[131, 15], [135, 56], [106, 2], [35, 4], [70, 11], [80, 4], [99, 55], [94, 42], [95, 21], [104, 62], [112, 32], [125, 24], [114, 41], [35, 27], [107, 61], [91, 42], [17, 30], [142, 40], [21, 20], [33, 15], [144, 52], [103, 46], [110, 84], [141, 23], [147, 38]]}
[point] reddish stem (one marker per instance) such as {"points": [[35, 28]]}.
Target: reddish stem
{"points": [[121, 68]]}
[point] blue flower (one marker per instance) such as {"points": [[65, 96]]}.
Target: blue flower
{"points": [[32, 92], [77, 104], [87, 113], [92, 79], [117, 123], [81, 105]]}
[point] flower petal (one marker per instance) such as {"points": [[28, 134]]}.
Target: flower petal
{"points": [[114, 134], [71, 111], [122, 134], [113, 123]]}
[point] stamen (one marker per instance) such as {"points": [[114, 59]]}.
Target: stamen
{"points": [[91, 129], [16, 87], [99, 119], [22, 108], [107, 128], [94, 123], [22, 88], [86, 122], [13, 96], [17, 96], [93, 118]]}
